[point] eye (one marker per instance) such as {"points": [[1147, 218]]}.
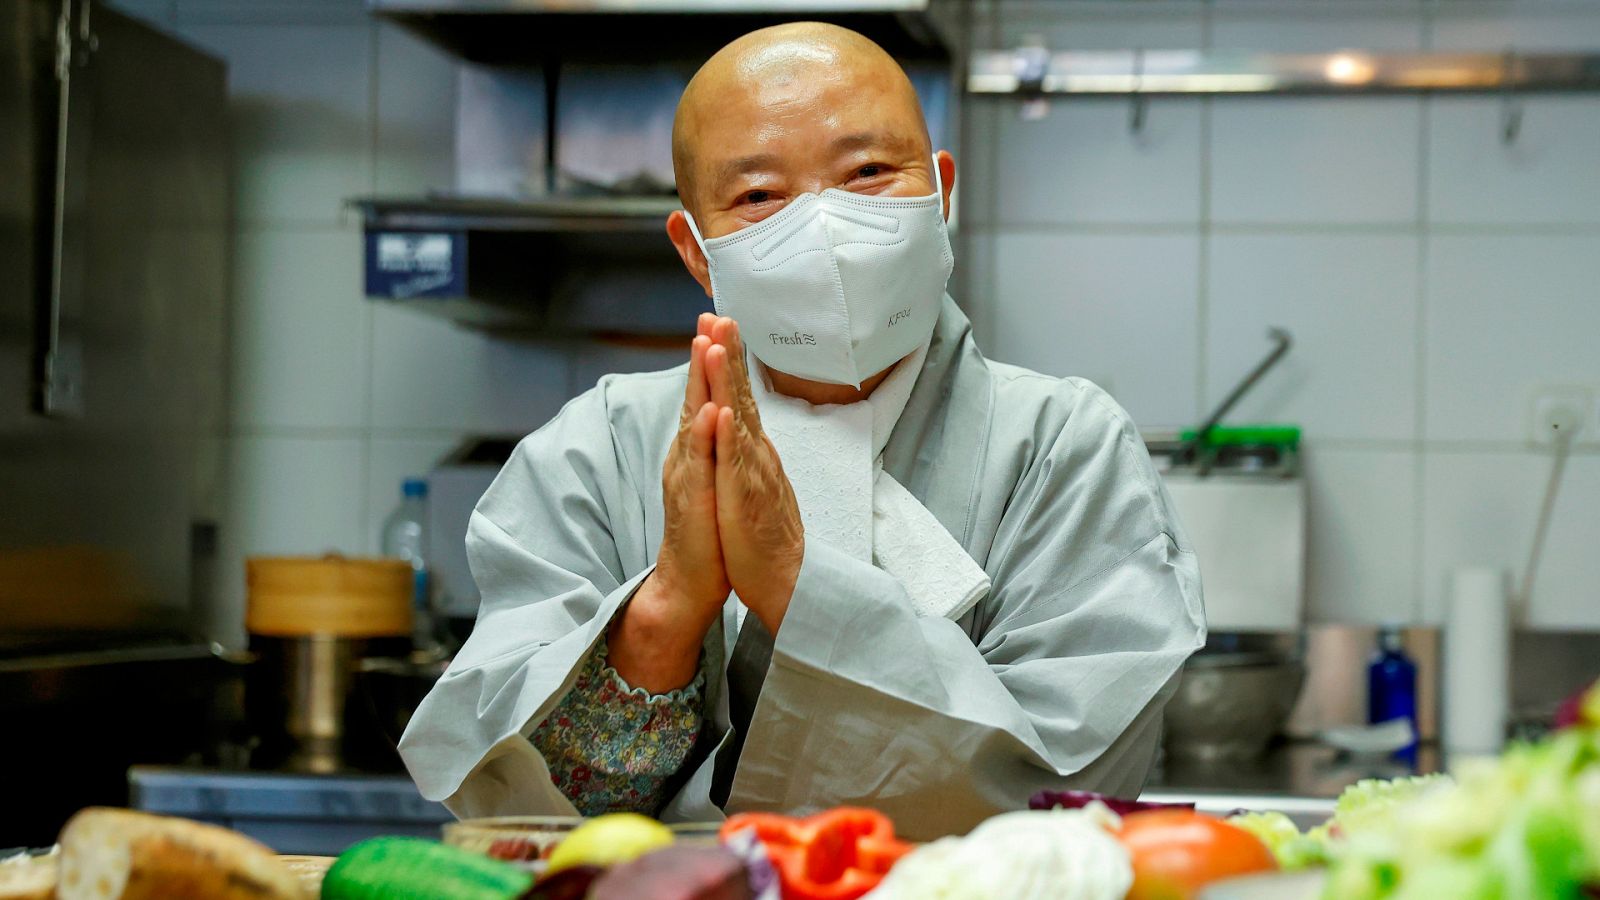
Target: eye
{"points": [[869, 171], [757, 197]]}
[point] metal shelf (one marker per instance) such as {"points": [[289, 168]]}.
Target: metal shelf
{"points": [[589, 265], [1035, 70], [538, 267], [554, 215]]}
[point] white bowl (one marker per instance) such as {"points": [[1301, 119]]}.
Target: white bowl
{"points": [[1305, 885]]}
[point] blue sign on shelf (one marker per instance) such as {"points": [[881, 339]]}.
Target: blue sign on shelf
{"points": [[405, 264]]}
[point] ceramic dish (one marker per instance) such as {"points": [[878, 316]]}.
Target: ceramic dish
{"points": [[530, 839], [1278, 886]]}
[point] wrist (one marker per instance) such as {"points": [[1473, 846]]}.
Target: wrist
{"points": [[652, 644], [670, 611], [660, 614], [773, 602]]}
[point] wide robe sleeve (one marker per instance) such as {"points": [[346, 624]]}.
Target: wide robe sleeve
{"points": [[555, 551], [1059, 680]]}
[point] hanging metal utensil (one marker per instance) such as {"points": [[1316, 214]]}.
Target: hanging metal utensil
{"points": [[1191, 450]]}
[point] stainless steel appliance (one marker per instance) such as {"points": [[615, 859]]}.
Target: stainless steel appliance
{"points": [[1242, 501], [113, 275]]}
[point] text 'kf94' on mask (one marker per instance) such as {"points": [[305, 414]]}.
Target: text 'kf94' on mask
{"points": [[835, 287]]}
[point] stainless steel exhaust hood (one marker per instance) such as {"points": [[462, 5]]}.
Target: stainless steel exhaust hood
{"points": [[500, 30], [554, 222]]}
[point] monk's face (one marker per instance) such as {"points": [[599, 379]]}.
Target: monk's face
{"points": [[780, 114]]}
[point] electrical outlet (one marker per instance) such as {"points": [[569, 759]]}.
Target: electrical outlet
{"points": [[1559, 410]]}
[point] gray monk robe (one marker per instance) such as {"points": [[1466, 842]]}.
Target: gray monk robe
{"points": [[1057, 677]]}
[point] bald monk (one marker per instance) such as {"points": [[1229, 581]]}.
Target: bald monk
{"points": [[839, 557]]}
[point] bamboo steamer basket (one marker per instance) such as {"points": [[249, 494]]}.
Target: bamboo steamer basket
{"points": [[332, 596]]}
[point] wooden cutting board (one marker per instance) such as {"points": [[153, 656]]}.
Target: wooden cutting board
{"points": [[309, 869]]}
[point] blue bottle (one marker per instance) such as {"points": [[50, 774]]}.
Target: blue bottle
{"points": [[1392, 687]]}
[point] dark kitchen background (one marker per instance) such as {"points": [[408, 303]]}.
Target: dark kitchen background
{"points": [[335, 245]]}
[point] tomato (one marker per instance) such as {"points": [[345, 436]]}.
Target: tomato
{"points": [[1176, 852]]}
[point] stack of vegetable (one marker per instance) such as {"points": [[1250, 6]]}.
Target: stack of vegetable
{"points": [[1083, 853], [1526, 825], [1165, 851], [1069, 847], [615, 857]]}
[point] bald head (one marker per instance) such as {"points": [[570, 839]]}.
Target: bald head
{"points": [[791, 109]]}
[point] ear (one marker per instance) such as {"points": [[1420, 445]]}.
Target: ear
{"points": [[688, 249], [947, 174]]}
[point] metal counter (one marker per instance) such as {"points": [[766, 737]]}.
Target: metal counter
{"points": [[290, 812], [1300, 779], [323, 814]]}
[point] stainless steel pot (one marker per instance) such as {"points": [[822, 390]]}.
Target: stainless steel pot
{"points": [[312, 620], [1229, 706], [299, 701]]}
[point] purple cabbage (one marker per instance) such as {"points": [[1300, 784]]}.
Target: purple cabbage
{"points": [[571, 883], [1080, 799], [1570, 714], [764, 882]]}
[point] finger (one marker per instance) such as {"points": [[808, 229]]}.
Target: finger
{"points": [[703, 434], [704, 323], [726, 334], [728, 458], [724, 331], [718, 368], [691, 402], [731, 336], [698, 391]]}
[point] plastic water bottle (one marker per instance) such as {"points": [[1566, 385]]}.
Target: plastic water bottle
{"points": [[405, 536], [1392, 687]]}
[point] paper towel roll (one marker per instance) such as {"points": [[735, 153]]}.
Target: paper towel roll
{"points": [[1477, 662]]}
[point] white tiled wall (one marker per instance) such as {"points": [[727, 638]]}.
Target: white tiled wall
{"points": [[1349, 300], [1093, 171], [1433, 276], [1119, 307], [1314, 161]]}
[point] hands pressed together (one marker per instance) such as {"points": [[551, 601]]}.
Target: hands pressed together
{"points": [[732, 522]]}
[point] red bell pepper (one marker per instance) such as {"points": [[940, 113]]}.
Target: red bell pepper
{"points": [[835, 855]]}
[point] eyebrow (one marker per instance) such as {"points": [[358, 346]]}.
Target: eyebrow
{"points": [[861, 140], [744, 165], [866, 140]]}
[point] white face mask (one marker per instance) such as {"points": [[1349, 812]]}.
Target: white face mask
{"points": [[835, 287]]}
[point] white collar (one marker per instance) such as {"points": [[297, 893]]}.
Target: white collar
{"points": [[887, 401]]}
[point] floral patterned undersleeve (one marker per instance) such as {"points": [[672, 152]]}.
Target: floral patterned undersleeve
{"points": [[611, 747]]}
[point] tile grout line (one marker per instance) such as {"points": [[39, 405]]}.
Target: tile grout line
{"points": [[1452, 446], [1419, 527], [1590, 448], [991, 202], [373, 138], [1274, 229], [1202, 335]]}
